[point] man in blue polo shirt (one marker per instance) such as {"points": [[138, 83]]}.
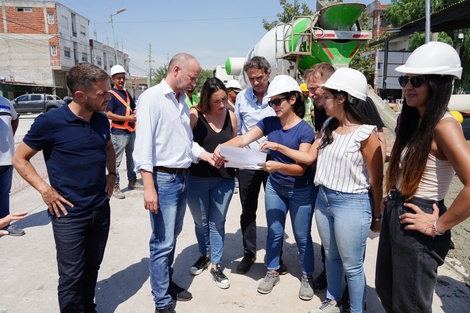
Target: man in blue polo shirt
{"points": [[77, 149]]}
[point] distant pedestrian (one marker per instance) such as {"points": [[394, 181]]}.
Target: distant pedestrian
{"points": [[77, 147], [233, 89], [9, 121], [121, 111], [429, 149], [211, 189], [165, 152]]}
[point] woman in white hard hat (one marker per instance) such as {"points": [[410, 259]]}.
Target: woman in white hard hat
{"points": [[290, 184], [349, 176], [429, 147]]}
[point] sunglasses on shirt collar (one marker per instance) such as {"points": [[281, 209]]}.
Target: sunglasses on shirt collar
{"points": [[416, 81]]}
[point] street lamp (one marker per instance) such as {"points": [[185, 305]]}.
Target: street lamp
{"points": [[114, 36]]}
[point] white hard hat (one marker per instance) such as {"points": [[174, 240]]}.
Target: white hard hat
{"points": [[349, 80], [433, 57], [281, 84], [117, 69], [234, 84]]}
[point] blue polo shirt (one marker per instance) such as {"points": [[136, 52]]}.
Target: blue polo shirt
{"points": [[75, 155]]}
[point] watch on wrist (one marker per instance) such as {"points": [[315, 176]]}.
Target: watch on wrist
{"points": [[377, 218]]}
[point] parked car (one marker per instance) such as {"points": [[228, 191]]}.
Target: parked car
{"points": [[36, 103]]}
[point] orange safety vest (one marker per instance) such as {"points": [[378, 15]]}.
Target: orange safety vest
{"points": [[127, 104]]}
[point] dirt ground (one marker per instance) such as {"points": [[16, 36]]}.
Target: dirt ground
{"points": [[460, 233]]}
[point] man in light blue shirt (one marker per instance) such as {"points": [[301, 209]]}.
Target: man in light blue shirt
{"points": [[163, 151]]}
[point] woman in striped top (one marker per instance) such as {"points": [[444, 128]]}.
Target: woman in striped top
{"points": [[349, 174]]}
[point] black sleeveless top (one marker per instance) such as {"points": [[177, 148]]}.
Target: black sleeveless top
{"points": [[207, 138]]}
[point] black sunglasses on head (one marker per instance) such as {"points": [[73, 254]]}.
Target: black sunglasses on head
{"points": [[416, 81], [276, 102]]}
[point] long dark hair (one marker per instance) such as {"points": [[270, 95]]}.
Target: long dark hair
{"points": [[416, 133], [349, 108], [210, 86], [299, 106]]}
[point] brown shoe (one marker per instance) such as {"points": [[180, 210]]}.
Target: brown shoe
{"points": [[134, 184], [117, 193]]}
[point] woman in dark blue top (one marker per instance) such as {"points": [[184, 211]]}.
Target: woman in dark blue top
{"points": [[290, 184]]}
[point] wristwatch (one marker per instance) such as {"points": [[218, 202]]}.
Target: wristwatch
{"points": [[377, 218]]}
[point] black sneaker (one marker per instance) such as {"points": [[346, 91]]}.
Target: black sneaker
{"points": [[201, 264], [178, 293], [219, 277], [167, 309], [282, 267], [245, 264], [320, 283]]}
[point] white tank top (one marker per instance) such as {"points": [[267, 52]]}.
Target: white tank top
{"points": [[436, 179]]}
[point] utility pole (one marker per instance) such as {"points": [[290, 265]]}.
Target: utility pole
{"points": [[149, 80]]}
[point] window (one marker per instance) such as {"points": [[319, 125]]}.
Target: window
{"points": [[35, 97], [98, 61], [50, 18], [67, 52], [82, 30], [22, 98], [24, 9], [53, 50], [84, 57], [65, 22]]}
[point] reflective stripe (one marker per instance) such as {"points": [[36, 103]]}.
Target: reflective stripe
{"points": [[128, 111]]}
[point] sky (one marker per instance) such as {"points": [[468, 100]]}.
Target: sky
{"points": [[211, 30]]}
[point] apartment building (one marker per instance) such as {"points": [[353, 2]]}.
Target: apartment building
{"points": [[40, 41]]}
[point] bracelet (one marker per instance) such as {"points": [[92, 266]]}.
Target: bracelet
{"points": [[376, 219], [112, 173], [434, 229]]}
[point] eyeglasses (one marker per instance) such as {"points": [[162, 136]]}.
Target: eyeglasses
{"points": [[416, 81], [276, 102]]}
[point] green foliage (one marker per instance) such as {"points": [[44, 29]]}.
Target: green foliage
{"points": [[205, 74], [290, 10]]}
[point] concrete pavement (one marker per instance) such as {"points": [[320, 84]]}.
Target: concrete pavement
{"points": [[28, 271]]}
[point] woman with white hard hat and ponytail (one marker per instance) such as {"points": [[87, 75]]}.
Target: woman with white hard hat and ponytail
{"points": [[428, 150], [290, 184], [349, 175]]}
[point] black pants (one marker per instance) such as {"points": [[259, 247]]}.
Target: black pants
{"points": [[80, 244], [249, 182], [407, 260]]}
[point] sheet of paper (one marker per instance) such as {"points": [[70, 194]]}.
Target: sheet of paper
{"points": [[243, 158]]}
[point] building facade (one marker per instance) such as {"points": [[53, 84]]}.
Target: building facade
{"points": [[40, 41]]}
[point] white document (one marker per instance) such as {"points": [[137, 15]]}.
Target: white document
{"points": [[243, 158]]}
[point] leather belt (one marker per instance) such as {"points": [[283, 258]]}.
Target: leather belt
{"points": [[170, 170]]}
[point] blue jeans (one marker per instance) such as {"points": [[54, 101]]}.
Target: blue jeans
{"points": [[407, 260], [298, 201], [6, 173], [80, 244], [166, 226], [121, 143], [208, 200], [343, 221]]}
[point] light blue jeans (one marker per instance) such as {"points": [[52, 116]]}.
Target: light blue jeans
{"points": [[298, 201], [124, 143], [343, 221], [208, 200], [166, 226]]}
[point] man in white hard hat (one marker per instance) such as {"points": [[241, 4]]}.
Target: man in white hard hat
{"points": [[121, 111], [233, 88]]}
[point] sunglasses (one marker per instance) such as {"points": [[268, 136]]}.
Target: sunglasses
{"points": [[416, 81], [276, 102]]}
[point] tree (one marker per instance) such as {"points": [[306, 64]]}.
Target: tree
{"points": [[290, 11]]}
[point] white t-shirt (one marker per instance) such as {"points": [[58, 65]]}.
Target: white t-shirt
{"points": [[7, 141]]}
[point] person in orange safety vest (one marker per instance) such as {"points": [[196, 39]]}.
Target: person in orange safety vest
{"points": [[121, 111]]}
